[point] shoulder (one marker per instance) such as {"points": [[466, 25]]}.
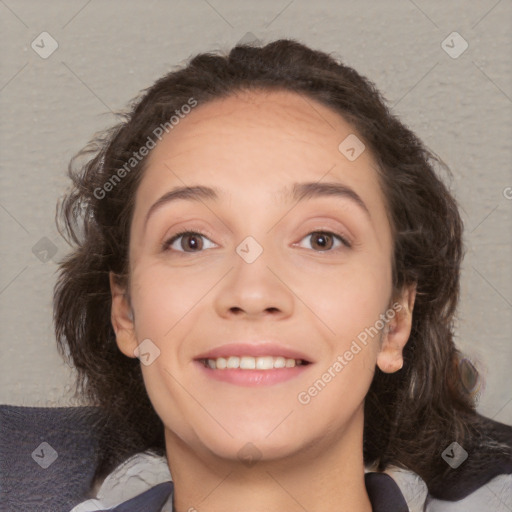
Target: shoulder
{"points": [[495, 494], [145, 479], [135, 476]]}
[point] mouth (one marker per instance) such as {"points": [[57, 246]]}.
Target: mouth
{"points": [[251, 363]]}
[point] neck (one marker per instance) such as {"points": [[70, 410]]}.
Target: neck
{"points": [[327, 475]]}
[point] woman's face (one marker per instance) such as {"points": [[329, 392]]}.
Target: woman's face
{"points": [[279, 271]]}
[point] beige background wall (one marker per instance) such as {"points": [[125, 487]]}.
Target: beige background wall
{"points": [[109, 50]]}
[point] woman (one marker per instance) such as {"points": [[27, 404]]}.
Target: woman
{"points": [[262, 293]]}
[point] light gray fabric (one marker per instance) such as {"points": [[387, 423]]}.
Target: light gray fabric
{"points": [[144, 470], [132, 477]]}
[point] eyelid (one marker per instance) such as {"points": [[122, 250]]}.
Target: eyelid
{"points": [[331, 225]]}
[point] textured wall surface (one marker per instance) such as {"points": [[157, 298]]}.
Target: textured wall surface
{"points": [[458, 99]]}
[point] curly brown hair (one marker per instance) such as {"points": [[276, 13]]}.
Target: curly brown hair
{"points": [[412, 415]]}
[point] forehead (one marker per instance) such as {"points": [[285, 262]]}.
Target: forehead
{"points": [[269, 137]]}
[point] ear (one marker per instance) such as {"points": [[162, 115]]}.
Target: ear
{"points": [[397, 332], [122, 318]]}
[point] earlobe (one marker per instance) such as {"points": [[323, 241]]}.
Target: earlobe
{"points": [[396, 335], [122, 318]]}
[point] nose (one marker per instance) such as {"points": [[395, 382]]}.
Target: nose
{"points": [[254, 290]]}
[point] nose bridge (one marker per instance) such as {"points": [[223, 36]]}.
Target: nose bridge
{"points": [[252, 287]]}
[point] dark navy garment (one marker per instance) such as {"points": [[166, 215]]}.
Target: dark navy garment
{"points": [[384, 494]]}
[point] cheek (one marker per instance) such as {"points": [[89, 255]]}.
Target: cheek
{"points": [[348, 303], [163, 298], [164, 301], [348, 298]]}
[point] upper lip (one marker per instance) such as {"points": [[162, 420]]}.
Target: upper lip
{"points": [[254, 349]]}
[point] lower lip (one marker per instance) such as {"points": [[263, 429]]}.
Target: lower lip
{"points": [[253, 378]]}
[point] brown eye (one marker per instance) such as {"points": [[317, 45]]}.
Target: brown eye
{"points": [[324, 241], [186, 241], [191, 241]]}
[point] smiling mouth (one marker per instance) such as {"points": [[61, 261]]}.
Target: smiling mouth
{"points": [[252, 363]]}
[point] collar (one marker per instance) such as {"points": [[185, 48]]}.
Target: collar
{"points": [[384, 494]]}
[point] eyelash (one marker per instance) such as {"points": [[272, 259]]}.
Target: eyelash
{"points": [[167, 244]]}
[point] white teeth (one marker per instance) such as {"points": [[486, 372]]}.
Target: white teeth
{"points": [[221, 363], [233, 362], [252, 363], [279, 362], [247, 363], [265, 363]]}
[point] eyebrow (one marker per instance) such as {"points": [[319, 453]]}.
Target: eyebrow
{"points": [[299, 192]]}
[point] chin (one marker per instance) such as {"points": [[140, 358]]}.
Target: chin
{"points": [[254, 442]]}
